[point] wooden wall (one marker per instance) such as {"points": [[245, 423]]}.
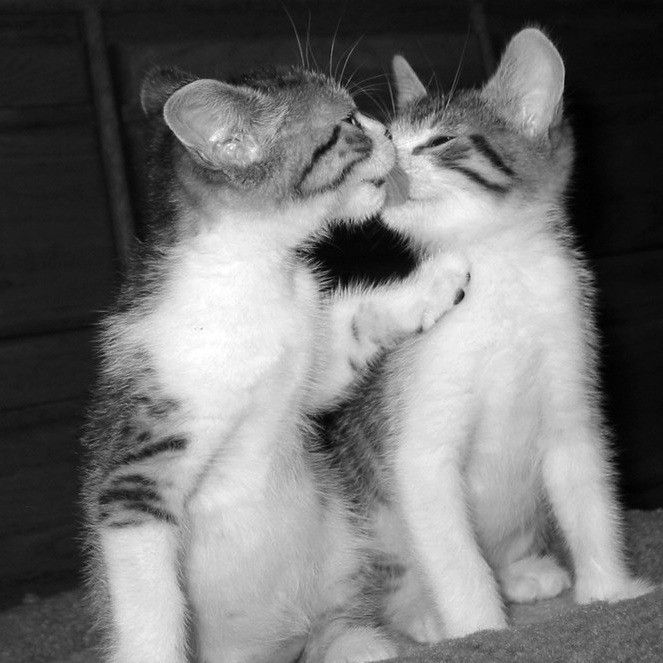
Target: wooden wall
{"points": [[71, 146]]}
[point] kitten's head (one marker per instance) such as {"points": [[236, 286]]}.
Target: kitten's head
{"points": [[480, 160], [275, 140]]}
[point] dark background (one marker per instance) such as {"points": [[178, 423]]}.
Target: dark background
{"points": [[72, 185]]}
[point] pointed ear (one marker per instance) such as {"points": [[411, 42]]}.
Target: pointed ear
{"points": [[529, 82], [408, 86], [159, 84], [218, 123]]}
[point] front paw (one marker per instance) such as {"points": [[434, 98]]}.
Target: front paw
{"points": [[444, 280]]}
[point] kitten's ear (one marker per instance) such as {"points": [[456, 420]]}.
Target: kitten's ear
{"points": [[408, 86], [217, 122], [159, 84], [529, 82]]}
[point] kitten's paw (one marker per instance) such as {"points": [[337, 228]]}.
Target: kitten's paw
{"points": [[371, 324], [444, 282], [533, 578], [611, 590], [360, 645]]}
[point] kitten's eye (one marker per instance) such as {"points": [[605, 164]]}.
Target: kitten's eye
{"points": [[437, 141], [352, 119]]}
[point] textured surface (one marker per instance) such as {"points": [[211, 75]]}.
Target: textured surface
{"points": [[56, 629]]}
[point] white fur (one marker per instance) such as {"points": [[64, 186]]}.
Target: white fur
{"points": [[497, 408], [258, 556]]}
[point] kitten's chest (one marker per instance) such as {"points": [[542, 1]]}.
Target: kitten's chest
{"points": [[515, 297], [226, 326]]}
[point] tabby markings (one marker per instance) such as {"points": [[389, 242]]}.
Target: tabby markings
{"points": [[319, 152], [166, 444], [362, 147], [483, 146], [478, 179], [132, 492]]}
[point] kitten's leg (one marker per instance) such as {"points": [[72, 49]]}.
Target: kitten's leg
{"points": [[404, 597], [410, 610], [363, 321], [139, 508], [343, 641], [428, 467], [147, 605], [578, 480]]}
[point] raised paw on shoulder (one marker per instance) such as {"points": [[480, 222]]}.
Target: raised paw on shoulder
{"points": [[444, 280]]}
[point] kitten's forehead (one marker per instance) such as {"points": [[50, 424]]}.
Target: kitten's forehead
{"points": [[463, 111], [301, 92]]}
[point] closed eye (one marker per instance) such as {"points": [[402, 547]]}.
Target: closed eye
{"points": [[352, 119], [434, 142]]}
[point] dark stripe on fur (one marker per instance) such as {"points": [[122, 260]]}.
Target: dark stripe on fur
{"points": [[139, 479], [156, 407], [319, 152], [483, 146], [451, 154], [434, 142], [479, 179], [341, 177], [128, 494], [165, 445]]}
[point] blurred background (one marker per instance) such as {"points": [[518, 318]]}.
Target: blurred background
{"points": [[72, 189]]}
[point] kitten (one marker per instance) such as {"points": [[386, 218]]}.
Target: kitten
{"points": [[213, 522], [471, 435]]}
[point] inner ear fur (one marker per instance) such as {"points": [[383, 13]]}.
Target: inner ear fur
{"points": [[219, 123]]}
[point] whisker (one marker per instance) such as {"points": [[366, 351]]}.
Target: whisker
{"points": [[333, 43], [391, 94], [368, 79], [347, 59], [307, 43], [365, 88], [294, 28], [433, 76], [378, 102], [458, 68], [338, 64], [352, 75]]}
